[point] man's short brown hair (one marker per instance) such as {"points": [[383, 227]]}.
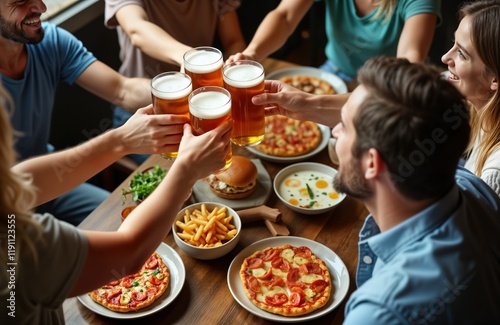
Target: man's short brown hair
{"points": [[416, 120]]}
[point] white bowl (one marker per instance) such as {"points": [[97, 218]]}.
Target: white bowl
{"points": [[207, 253], [324, 202]]}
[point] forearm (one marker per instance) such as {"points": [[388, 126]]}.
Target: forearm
{"points": [[325, 109], [269, 37], [416, 37], [135, 93], [157, 43], [56, 173]]}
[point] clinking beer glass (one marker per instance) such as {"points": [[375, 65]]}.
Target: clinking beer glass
{"points": [[245, 79], [204, 65], [209, 107], [170, 91]]}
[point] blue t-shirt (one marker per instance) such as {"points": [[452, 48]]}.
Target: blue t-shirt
{"points": [[352, 40], [441, 266], [60, 56]]}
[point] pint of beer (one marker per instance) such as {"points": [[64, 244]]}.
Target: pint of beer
{"points": [[245, 79], [170, 91], [209, 107], [204, 66]]}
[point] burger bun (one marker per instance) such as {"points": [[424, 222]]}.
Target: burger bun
{"points": [[236, 182]]}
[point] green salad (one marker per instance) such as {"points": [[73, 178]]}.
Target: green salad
{"points": [[143, 183]]}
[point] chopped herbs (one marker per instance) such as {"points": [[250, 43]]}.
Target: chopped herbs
{"points": [[143, 183], [309, 191]]}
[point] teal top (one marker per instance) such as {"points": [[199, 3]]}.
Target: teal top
{"points": [[352, 40]]}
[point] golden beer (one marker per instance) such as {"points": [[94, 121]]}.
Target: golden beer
{"points": [[209, 107], [204, 66], [170, 92], [245, 79]]}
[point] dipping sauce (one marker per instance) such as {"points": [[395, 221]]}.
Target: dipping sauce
{"points": [[309, 190]]}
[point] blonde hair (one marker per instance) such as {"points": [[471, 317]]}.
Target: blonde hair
{"points": [[485, 34], [17, 192], [385, 9]]}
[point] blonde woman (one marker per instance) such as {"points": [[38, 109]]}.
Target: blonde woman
{"points": [[356, 31], [474, 68], [50, 260]]}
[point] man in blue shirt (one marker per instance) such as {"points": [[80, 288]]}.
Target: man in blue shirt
{"points": [[35, 58], [429, 252]]}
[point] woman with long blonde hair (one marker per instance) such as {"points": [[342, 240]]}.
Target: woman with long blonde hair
{"points": [[474, 68], [49, 260]]}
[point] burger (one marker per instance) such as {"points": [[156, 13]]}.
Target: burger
{"points": [[236, 182]]}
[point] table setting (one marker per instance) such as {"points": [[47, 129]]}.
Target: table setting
{"points": [[210, 290]]}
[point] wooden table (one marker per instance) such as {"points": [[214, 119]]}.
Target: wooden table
{"points": [[205, 297]]}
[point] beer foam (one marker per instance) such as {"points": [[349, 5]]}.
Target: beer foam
{"points": [[171, 87], [209, 105], [243, 75], [203, 61]]}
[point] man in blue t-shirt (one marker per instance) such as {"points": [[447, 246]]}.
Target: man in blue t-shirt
{"points": [[429, 252], [35, 58]]}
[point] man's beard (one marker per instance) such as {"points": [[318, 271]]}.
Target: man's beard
{"points": [[352, 182], [10, 32]]}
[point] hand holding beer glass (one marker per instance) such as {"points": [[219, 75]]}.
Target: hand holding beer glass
{"points": [[245, 79], [204, 65], [170, 91], [209, 107]]}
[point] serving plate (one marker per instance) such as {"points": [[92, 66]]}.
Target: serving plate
{"points": [[337, 268], [177, 278], [202, 192], [338, 84], [325, 136]]}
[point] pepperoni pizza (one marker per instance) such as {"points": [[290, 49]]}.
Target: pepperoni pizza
{"points": [[286, 280], [287, 137], [310, 84], [135, 291]]}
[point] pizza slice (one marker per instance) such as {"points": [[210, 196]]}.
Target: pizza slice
{"points": [[135, 291]]}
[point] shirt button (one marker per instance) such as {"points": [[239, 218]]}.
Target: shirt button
{"points": [[367, 259]]}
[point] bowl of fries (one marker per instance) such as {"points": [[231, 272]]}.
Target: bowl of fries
{"points": [[207, 230]]}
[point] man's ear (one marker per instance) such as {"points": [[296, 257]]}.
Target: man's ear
{"points": [[373, 164]]}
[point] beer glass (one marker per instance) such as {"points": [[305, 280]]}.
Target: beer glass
{"points": [[204, 65], [209, 107], [170, 91], [245, 79]]}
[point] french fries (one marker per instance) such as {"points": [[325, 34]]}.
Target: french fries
{"points": [[203, 228]]}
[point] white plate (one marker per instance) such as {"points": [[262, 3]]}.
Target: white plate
{"points": [[177, 278], [202, 192], [337, 83], [337, 268], [325, 136]]}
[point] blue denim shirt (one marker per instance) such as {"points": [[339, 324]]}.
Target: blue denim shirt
{"points": [[441, 266]]}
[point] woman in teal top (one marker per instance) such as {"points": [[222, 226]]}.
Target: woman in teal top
{"points": [[356, 30]]}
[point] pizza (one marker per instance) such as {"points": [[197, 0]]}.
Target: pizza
{"points": [[287, 137], [310, 84], [135, 291], [286, 280]]}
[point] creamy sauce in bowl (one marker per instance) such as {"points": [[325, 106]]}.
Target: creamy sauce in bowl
{"points": [[309, 189]]}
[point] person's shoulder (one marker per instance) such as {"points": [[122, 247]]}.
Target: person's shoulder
{"points": [[54, 33], [473, 186]]}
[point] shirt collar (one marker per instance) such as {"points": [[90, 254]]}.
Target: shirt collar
{"points": [[387, 244]]}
